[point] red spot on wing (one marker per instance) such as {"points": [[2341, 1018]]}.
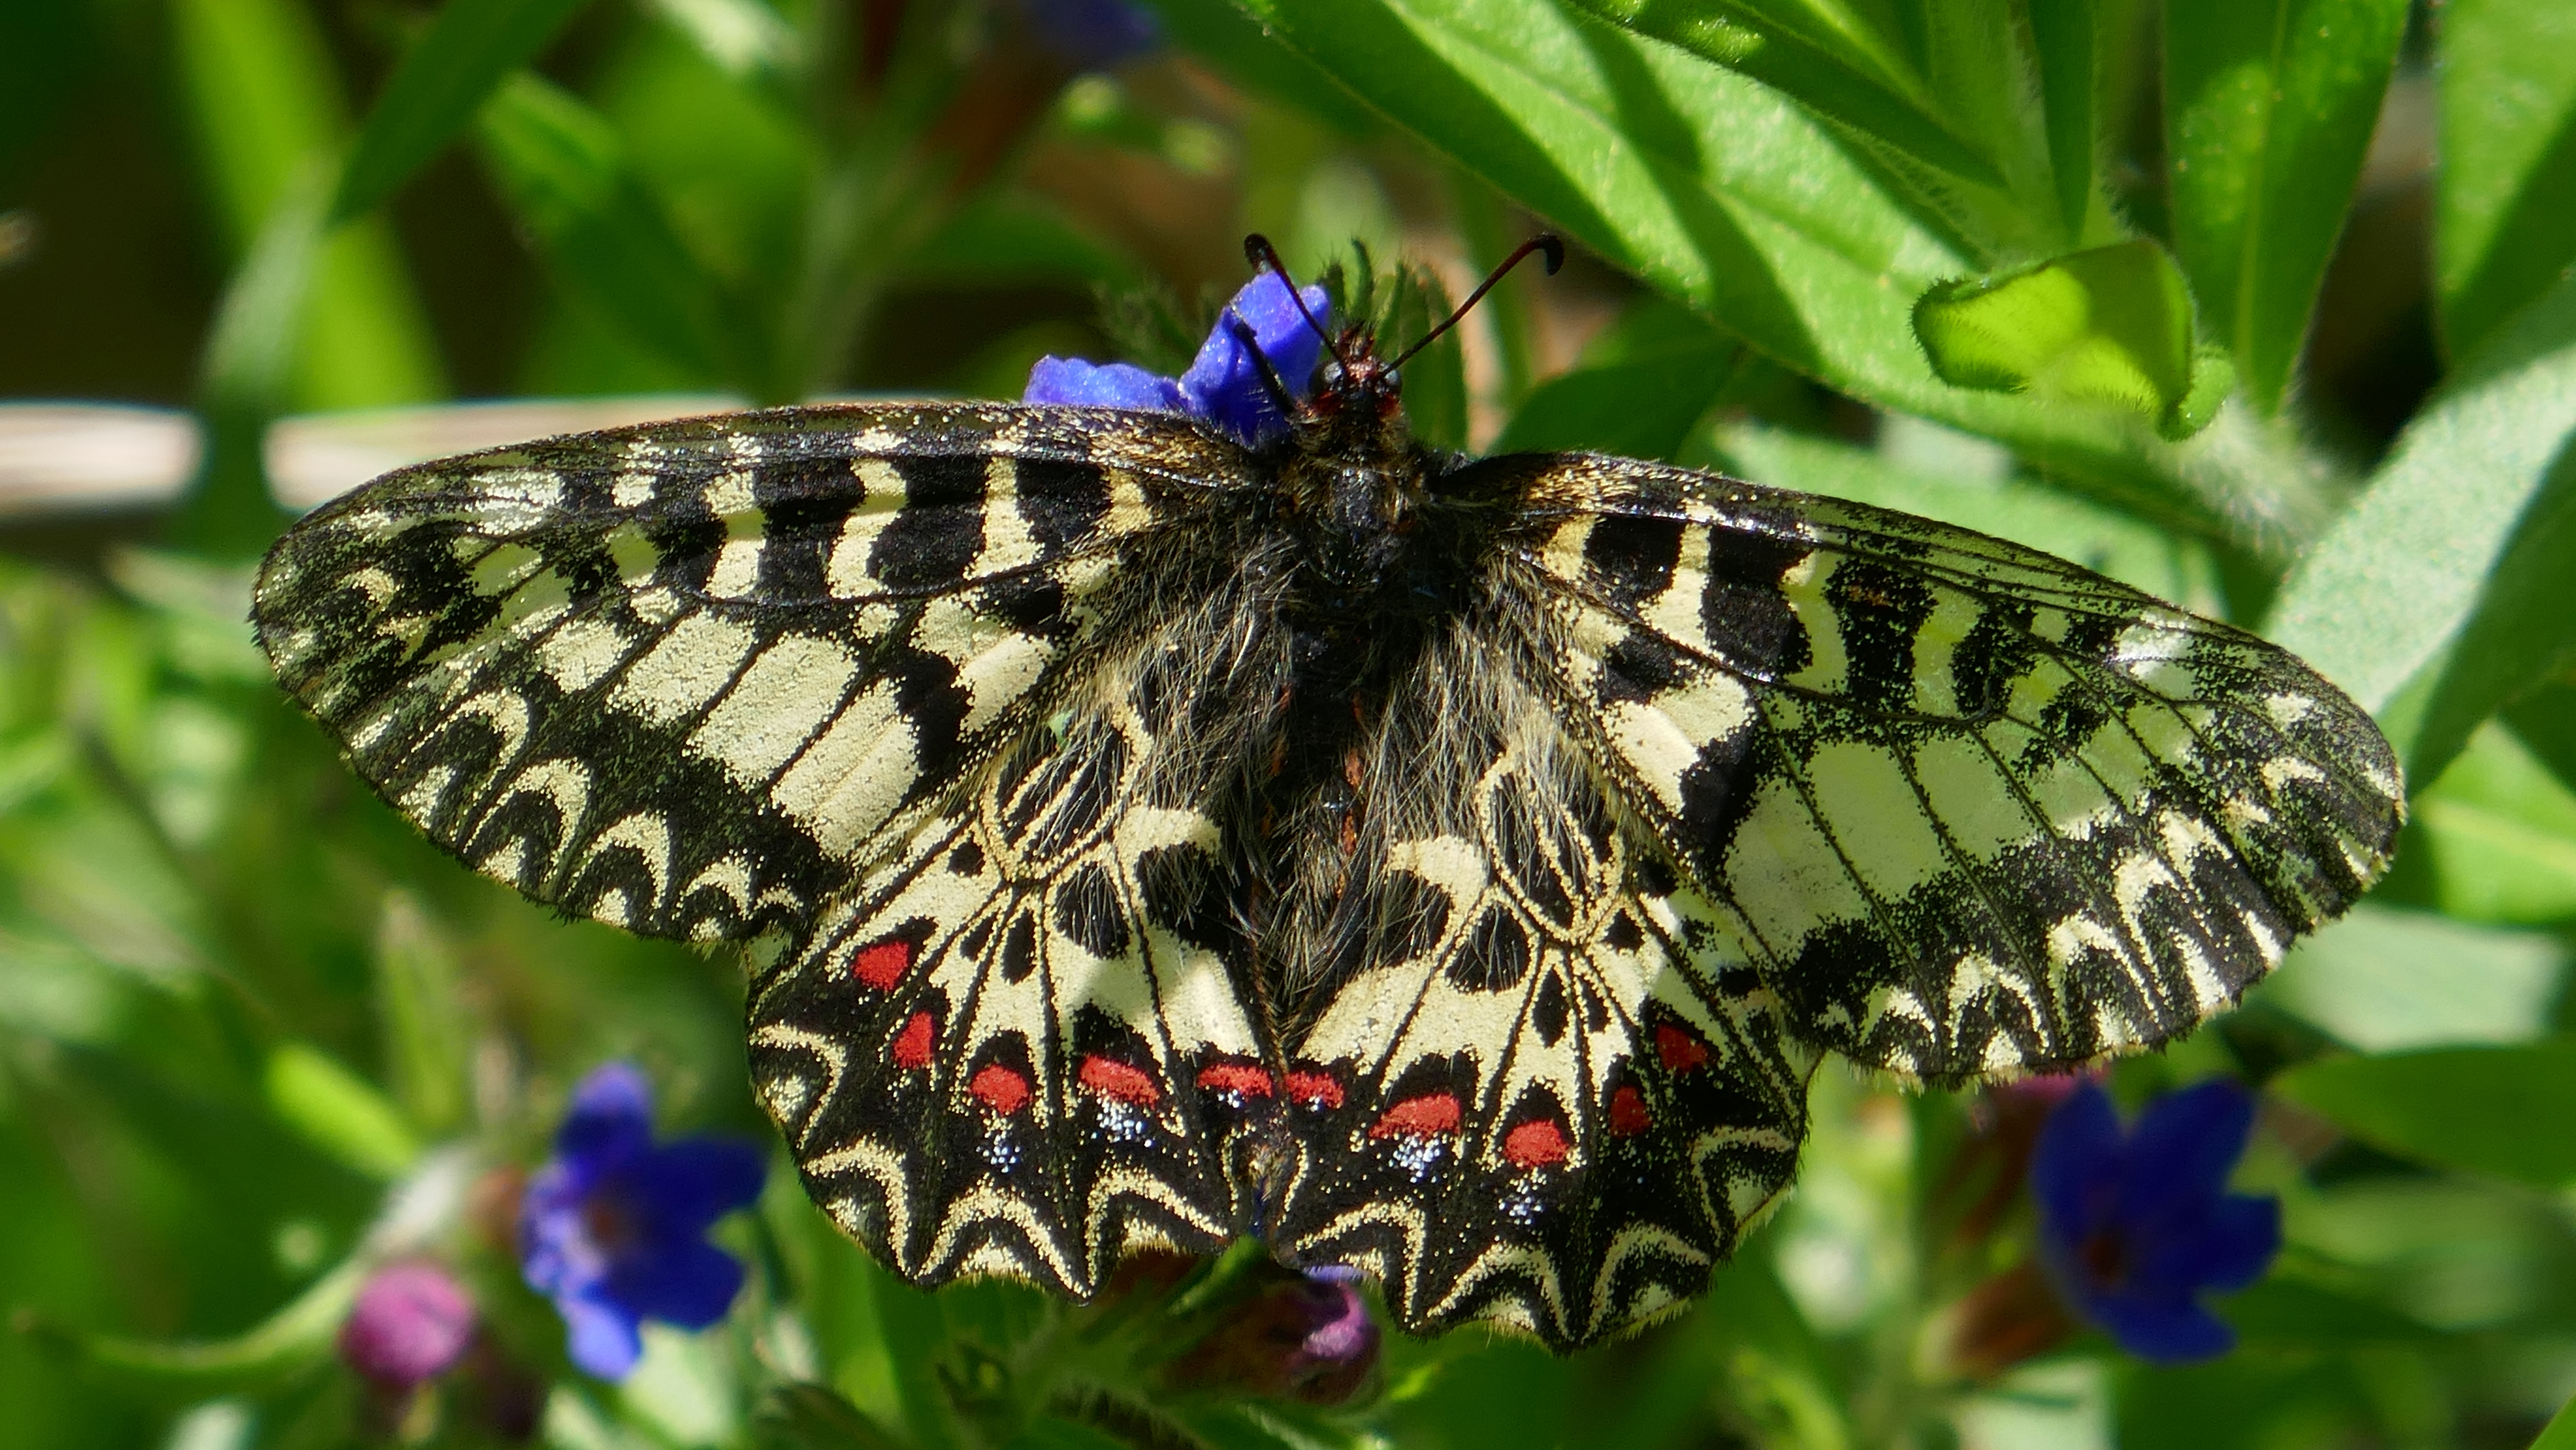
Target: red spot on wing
{"points": [[882, 965], [912, 1044], [1680, 1051], [1538, 1143], [1628, 1115], [999, 1088], [1242, 1078], [1422, 1117], [1111, 1078], [1315, 1087]]}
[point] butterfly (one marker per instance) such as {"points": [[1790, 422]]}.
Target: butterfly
{"points": [[1155, 825]]}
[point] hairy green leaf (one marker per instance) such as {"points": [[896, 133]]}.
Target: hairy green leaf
{"points": [[1719, 192], [2063, 39], [2269, 106], [2451, 585], [2110, 326], [2124, 547], [2503, 224], [1848, 73], [2499, 833]]}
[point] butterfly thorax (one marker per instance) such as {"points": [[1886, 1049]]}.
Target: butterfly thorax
{"points": [[1352, 488]]}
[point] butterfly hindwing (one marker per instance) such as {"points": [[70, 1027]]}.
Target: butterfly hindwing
{"points": [[1005, 1052], [1983, 811], [680, 677], [1547, 1091]]}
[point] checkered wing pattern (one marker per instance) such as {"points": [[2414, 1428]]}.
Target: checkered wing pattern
{"points": [[1967, 809], [684, 677]]}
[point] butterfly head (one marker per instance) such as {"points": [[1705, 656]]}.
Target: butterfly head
{"points": [[1359, 406]]}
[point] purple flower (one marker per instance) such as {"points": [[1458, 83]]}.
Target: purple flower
{"points": [[1341, 1343], [2134, 1226], [410, 1324], [1223, 385], [1092, 34], [1291, 1335], [613, 1228]]}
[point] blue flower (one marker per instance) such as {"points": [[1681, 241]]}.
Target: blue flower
{"points": [[1223, 385], [2133, 1227], [1101, 385], [613, 1228]]}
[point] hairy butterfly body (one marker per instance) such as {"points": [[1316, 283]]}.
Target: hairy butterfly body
{"points": [[1448, 867]]}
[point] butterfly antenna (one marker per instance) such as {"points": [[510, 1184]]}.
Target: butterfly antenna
{"points": [[1272, 385], [1258, 251], [1544, 242]]}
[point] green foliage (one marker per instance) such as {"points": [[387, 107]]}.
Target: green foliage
{"points": [[2170, 289], [2111, 325]]}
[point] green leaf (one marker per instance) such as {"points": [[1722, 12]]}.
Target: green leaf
{"points": [[2439, 582], [2560, 1434], [740, 37], [1435, 380], [2126, 548], [1642, 386], [606, 240], [1232, 41], [250, 352], [2062, 35], [2545, 721], [422, 1014], [2500, 830], [265, 109], [1830, 60], [438, 86], [2503, 228], [339, 1112], [2285, 1313], [2385, 980], [1724, 195], [2110, 326], [2269, 106], [2523, 630], [2491, 1110]]}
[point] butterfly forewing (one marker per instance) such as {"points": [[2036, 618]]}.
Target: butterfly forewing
{"points": [[1982, 811], [684, 677]]}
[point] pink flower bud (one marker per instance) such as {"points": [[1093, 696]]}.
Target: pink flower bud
{"points": [[411, 1323]]}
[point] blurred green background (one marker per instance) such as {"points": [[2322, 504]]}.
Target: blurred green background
{"points": [[2263, 305]]}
